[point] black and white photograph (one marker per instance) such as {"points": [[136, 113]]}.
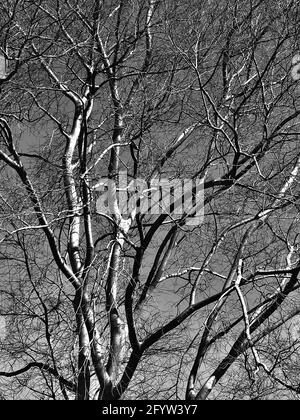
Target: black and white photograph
{"points": [[149, 203]]}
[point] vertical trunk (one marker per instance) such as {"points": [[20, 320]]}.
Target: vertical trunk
{"points": [[117, 325], [83, 381]]}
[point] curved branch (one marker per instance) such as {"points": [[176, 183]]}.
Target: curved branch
{"points": [[68, 384]]}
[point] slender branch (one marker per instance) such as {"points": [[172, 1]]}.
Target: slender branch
{"points": [[43, 366]]}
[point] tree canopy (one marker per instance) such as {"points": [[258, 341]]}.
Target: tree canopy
{"points": [[103, 303]]}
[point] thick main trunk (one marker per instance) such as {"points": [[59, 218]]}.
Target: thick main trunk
{"points": [[83, 381]]}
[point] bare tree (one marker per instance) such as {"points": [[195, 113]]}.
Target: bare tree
{"points": [[150, 304]]}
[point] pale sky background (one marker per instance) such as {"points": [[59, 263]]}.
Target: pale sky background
{"points": [[2, 327]]}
